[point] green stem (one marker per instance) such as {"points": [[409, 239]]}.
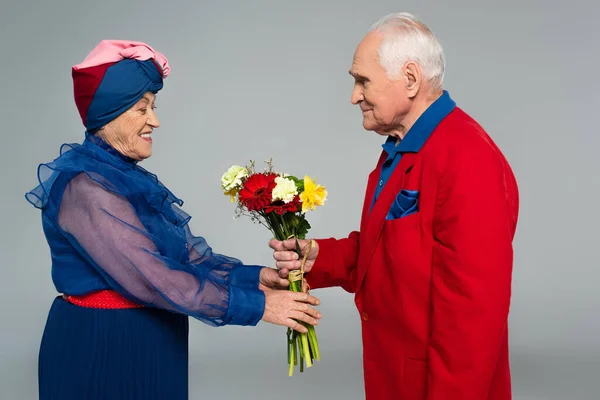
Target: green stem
{"points": [[306, 350], [269, 224], [303, 348], [285, 227], [296, 350], [279, 234], [289, 347], [314, 343], [292, 349], [300, 353]]}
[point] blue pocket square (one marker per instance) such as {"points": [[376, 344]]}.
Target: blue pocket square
{"points": [[405, 203]]}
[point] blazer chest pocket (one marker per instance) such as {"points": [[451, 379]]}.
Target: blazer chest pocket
{"points": [[402, 224], [405, 205]]}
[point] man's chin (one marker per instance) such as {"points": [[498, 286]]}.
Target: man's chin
{"points": [[369, 125], [374, 128]]}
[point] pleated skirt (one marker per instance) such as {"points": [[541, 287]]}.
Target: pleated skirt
{"points": [[104, 354]]}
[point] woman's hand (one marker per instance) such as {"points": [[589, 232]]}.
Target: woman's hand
{"points": [[270, 279], [284, 307]]}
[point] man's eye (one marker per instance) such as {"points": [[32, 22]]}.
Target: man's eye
{"points": [[143, 110]]}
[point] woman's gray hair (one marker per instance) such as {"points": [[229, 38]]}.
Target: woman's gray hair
{"points": [[405, 39]]}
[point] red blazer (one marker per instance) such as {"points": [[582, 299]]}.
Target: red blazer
{"points": [[433, 288]]}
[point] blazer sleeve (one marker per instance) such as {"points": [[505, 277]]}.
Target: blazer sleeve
{"points": [[336, 263], [472, 268]]}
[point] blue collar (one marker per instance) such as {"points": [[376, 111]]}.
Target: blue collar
{"points": [[99, 142], [418, 134]]}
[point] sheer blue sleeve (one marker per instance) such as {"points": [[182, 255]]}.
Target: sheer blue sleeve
{"points": [[246, 276], [213, 288]]}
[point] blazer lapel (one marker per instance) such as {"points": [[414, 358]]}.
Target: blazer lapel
{"points": [[372, 225], [371, 185]]}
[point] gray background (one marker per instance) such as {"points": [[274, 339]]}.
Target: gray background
{"points": [[253, 79]]}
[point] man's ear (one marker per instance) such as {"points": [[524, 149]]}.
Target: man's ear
{"points": [[412, 78]]}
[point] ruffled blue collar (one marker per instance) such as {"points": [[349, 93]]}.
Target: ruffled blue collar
{"points": [[92, 141], [116, 172]]}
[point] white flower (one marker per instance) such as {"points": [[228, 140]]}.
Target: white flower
{"points": [[232, 179], [285, 190]]}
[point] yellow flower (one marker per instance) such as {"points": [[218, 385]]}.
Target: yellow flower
{"points": [[313, 195], [232, 193]]}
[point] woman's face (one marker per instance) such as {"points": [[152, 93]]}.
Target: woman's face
{"points": [[130, 133]]}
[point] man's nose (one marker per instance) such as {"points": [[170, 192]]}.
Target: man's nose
{"points": [[357, 94]]}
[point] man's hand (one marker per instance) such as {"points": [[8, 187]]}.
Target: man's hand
{"points": [[286, 258]]}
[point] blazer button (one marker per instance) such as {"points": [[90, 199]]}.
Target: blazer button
{"points": [[365, 316]]}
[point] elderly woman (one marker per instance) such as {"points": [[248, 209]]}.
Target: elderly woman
{"points": [[123, 256]]}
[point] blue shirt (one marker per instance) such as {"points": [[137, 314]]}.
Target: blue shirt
{"points": [[414, 139], [110, 224]]}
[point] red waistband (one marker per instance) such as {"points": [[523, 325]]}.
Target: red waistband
{"points": [[108, 299]]}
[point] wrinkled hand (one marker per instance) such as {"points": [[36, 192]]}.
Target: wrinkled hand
{"points": [[288, 260], [270, 279], [284, 307]]}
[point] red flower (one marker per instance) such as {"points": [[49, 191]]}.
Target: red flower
{"points": [[281, 208], [257, 191]]}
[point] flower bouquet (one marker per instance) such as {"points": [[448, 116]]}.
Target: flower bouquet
{"points": [[279, 202]]}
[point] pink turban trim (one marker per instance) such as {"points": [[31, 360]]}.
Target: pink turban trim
{"points": [[111, 51]]}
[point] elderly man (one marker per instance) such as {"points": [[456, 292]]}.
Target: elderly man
{"points": [[431, 265]]}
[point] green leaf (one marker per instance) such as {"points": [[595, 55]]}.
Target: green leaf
{"points": [[302, 228], [291, 219], [298, 182]]}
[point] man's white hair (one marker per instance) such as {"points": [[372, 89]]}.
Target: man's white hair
{"points": [[405, 39]]}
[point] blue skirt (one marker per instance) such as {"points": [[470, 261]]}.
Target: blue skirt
{"points": [[103, 354]]}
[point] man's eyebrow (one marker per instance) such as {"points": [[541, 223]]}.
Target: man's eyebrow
{"points": [[356, 75]]}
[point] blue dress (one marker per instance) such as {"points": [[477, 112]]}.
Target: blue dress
{"points": [[111, 225]]}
